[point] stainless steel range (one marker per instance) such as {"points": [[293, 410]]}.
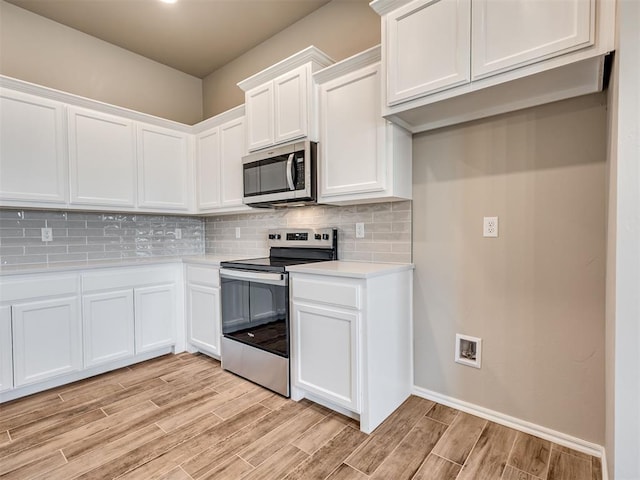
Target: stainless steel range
{"points": [[255, 305]]}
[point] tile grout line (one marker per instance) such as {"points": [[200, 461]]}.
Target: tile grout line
{"points": [[506, 463], [486, 423]]}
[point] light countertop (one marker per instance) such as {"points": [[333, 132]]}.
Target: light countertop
{"points": [[341, 268], [212, 260], [336, 268]]}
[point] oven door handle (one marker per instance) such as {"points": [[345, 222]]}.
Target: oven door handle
{"points": [[258, 277]]}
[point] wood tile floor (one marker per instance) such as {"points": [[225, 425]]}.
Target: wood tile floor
{"points": [[182, 417]]}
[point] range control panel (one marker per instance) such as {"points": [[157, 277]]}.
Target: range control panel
{"points": [[303, 237]]}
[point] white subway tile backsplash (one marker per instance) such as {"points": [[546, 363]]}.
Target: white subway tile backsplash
{"points": [[387, 230], [81, 236]]}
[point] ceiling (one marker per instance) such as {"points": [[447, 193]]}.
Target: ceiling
{"points": [[193, 36]]}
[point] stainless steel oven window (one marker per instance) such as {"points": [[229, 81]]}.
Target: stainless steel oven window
{"points": [[255, 310]]}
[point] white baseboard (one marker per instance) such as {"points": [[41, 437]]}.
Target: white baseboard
{"points": [[517, 424]]}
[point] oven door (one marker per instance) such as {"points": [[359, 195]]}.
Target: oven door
{"points": [[255, 309]]}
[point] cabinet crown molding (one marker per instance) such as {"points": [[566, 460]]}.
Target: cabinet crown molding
{"points": [[382, 7], [348, 65], [76, 100], [224, 117], [310, 54]]}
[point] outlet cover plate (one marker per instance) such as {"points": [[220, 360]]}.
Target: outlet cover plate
{"points": [[490, 227]]}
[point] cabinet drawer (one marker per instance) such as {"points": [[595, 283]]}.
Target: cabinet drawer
{"points": [[203, 276], [47, 285], [331, 291], [127, 278]]}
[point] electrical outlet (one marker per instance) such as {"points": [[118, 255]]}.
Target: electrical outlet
{"points": [[490, 228], [178, 233], [47, 234], [237, 232], [359, 230]]}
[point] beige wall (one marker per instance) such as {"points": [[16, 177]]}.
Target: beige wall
{"points": [[40, 51], [341, 28], [535, 295]]}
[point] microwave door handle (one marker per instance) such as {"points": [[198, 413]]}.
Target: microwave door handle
{"points": [[290, 172]]}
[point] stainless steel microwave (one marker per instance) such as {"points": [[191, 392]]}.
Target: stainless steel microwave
{"points": [[281, 176]]}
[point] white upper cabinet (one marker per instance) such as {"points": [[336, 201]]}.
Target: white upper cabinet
{"points": [[518, 32], [427, 44], [452, 61], [280, 102], [291, 92], [260, 119], [208, 177], [33, 166], [362, 156], [219, 152], [163, 169], [231, 152], [102, 160]]}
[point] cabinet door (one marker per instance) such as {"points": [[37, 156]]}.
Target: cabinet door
{"points": [[208, 168], [155, 311], [47, 338], [6, 350], [231, 152], [163, 169], [290, 97], [352, 153], [108, 326], [33, 166], [203, 305], [259, 108], [510, 34], [101, 159], [325, 353], [427, 48]]}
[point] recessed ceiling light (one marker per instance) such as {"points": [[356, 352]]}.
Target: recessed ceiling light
{"points": [[168, 1]]}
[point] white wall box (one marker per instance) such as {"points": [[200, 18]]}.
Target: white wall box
{"points": [[164, 169], [203, 309], [280, 102], [6, 349], [219, 151], [102, 162], [363, 157], [108, 330], [32, 150], [352, 351], [491, 52]]}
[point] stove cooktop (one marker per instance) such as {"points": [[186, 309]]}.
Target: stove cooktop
{"points": [[292, 247]]}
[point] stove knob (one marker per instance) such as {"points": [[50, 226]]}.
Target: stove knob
{"points": [[317, 236], [278, 236], [272, 236], [325, 236]]}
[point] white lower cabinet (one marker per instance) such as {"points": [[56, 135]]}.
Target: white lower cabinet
{"points": [[6, 350], [326, 352], [203, 309], [351, 339], [47, 339], [155, 310], [108, 326]]}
